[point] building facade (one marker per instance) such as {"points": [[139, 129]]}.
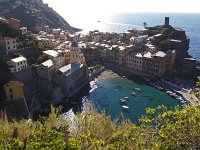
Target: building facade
{"points": [[73, 76], [56, 56], [8, 45], [17, 64], [14, 90], [14, 23]]}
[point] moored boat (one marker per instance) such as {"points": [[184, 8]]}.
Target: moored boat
{"points": [[125, 107], [123, 100], [138, 89], [133, 93], [169, 92]]}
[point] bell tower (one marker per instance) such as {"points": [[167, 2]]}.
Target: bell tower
{"points": [[75, 51]]}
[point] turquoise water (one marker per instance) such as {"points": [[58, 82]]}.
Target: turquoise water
{"points": [[107, 93]]}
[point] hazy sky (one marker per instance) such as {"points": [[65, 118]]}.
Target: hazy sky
{"points": [[79, 8], [109, 6]]}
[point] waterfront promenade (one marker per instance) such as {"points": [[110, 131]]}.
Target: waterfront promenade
{"points": [[191, 98]]}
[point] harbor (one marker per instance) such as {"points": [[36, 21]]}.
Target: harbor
{"points": [[122, 98]]}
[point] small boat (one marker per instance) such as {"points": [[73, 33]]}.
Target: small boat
{"points": [[133, 93], [123, 76], [160, 88], [125, 107], [122, 100], [138, 89], [98, 21], [126, 97], [169, 92]]}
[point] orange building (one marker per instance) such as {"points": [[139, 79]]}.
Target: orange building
{"points": [[14, 90], [14, 23], [16, 106]]}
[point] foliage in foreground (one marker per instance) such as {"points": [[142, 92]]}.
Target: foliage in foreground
{"points": [[159, 129]]}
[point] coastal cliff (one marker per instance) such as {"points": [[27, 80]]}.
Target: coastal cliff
{"points": [[171, 38], [32, 13]]}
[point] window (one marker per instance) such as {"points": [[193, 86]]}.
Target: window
{"points": [[14, 46], [11, 96], [8, 47], [8, 42], [10, 90], [13, 42]]}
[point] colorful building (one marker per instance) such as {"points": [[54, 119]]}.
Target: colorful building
{"points": [[16, 106], [14, 90], [74, 76], [57, 57], [91, 54], [149, 64], [14, 23]]}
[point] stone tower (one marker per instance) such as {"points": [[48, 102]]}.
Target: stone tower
{"points": [[75, 53], [166, 21]]}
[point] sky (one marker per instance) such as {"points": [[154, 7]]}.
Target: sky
{"points": [[77, 9]]}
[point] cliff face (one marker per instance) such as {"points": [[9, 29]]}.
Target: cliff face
{"points": [[33, 12]]}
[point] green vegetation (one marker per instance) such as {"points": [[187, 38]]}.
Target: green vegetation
{"points": [[26, 40], [33, 12], [27, 43], [198, 81], [159, 30], [6, 30], [158, 129], [166, 44]]}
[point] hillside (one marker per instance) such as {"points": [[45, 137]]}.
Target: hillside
{"points": [[33, 12], [159, 129]]}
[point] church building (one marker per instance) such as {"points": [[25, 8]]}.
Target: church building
{"points": [[74, 76]]}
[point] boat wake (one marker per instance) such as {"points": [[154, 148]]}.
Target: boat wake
{"points": [[93, 85]]}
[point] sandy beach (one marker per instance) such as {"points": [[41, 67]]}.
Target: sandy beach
{"points": [[107, 74]]}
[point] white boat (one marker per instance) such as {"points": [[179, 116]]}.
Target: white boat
{"points": [[133, 93], [169, 92], [125, 107], [137, 89], [123, 76], [126, 97], [122, 100]]}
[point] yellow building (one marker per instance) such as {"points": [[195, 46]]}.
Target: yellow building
{"points": [[14, 90]]}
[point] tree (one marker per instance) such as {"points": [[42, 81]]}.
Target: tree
{"points": [[198, 81], [145, 25]]}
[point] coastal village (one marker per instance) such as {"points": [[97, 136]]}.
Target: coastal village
{"points": [[75, 59]]}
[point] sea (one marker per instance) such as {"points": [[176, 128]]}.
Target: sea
{"points": [[119, 23], [105, 94]]}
